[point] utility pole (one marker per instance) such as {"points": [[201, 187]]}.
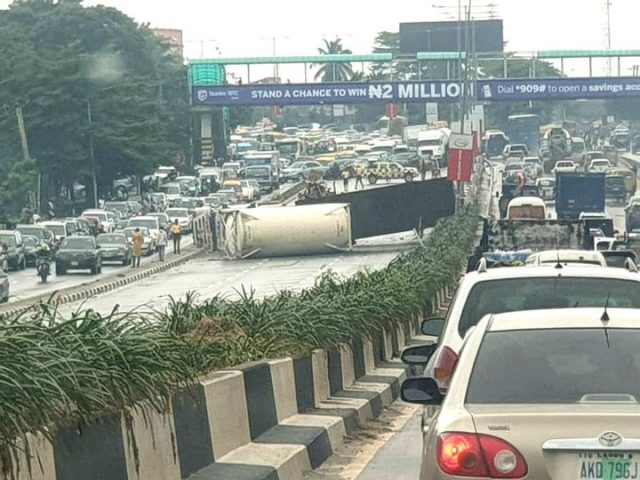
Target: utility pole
{"points": [[92, 155], [26, 156], [23, 135], [608, 33]]}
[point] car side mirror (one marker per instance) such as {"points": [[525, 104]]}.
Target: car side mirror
{"points": [[421, 390], [418, 355], [432, 326]]}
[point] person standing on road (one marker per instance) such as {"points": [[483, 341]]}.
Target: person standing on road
{"points": [[176, 236], [359, 176], [138, 241], [345, 179], [161, 242]]}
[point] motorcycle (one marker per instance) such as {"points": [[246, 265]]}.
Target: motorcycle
{"points": [[43, 266]]}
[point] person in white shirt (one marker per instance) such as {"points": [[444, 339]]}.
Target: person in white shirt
{"points": [[161, 242]]}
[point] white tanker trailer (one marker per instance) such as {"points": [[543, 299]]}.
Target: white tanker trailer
{"points": [[284, 231]]}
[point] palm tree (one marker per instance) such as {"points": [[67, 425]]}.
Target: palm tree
{"points": [[334, 71]]}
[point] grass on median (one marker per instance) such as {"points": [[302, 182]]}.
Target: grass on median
{"points": [[55, 370]]}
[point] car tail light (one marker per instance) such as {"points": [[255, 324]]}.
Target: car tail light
{"points": [[483, 456], [445, 365]]}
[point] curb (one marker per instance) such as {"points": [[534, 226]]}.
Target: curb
{"points": [[266, 420], [83, 292]]}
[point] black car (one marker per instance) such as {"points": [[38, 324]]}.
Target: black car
{"points": [[31, 244], [115, 247], [79, 253]]}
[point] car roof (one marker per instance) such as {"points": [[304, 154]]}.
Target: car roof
{"points": [[144, 217], [542, 271], [551, 256], [564, 319]]}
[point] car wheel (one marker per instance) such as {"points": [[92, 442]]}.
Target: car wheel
{"points": [[301, 178], [60, 271], [126, 262], [94, 270], [372, 179], [408, 178], [23, 265]]}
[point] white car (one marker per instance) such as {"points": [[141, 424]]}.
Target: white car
{"points": [[599, 165], [182, 215], [565, 166], [545, 394], [149, 244], [106, 218], [152, 223], [566, 258], [519, 289]]}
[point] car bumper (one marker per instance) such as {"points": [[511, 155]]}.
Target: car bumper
{"points": [[78, 263], [114, 256]]}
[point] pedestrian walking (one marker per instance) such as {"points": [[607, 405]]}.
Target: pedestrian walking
{"points": [[345, 179], [161, 242], [359, 176], [423, 168], [176, 236], [138, 241]]}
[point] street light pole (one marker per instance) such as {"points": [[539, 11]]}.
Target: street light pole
{"points": [[92, 155]]}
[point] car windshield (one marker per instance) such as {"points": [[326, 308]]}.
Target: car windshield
{"points": [[119, 207], [34, 231], [143, 222], [58, 230], [188, 203], [170, 190], [519, 294], [213, 201], [8, 238], [100, 216], [29, 240], [110, 239], [77, 243], [177, 212], [259, 172], [297, 165], [559, 366]]}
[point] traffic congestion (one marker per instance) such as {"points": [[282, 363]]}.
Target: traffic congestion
{"points": [[273, 241], [527, 375]]}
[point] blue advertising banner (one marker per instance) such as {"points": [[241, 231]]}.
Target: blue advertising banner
{"points": [[415, 92], [557, 89], [327, 93]]}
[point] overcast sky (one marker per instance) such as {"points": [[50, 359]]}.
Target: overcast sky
{"points": [[241, 27]]}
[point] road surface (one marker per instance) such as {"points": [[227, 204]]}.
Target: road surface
{"points": [[26, 283]]}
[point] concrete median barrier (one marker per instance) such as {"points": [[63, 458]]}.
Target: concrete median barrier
{"points": [[267, 420]]}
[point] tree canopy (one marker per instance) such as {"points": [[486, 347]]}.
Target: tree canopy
{"points": [[334, 71], [88, 73]]}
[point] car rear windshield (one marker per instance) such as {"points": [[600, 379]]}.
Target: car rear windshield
{"points": [[77, 243], [35, 231], [58, 230], [148, 223], [177, 213], [9, 239], [555, 366], [519, 294], [111, 239]]}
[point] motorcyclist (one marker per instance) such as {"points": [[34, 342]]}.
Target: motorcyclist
{"points": [[43, 252], [43, 260]]}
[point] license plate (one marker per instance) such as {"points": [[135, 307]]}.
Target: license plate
{"points": [[75, 264], [608, 466]]}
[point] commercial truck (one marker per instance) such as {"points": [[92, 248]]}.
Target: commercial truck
{"points": [[577, 193]]}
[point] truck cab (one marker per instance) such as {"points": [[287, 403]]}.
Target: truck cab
{"points": [[265, 168]]}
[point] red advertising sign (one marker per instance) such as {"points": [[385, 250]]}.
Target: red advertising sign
{"points": [[460, 165]]}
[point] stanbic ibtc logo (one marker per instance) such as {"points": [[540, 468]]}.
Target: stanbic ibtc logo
{"points": [[202, 95]]}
